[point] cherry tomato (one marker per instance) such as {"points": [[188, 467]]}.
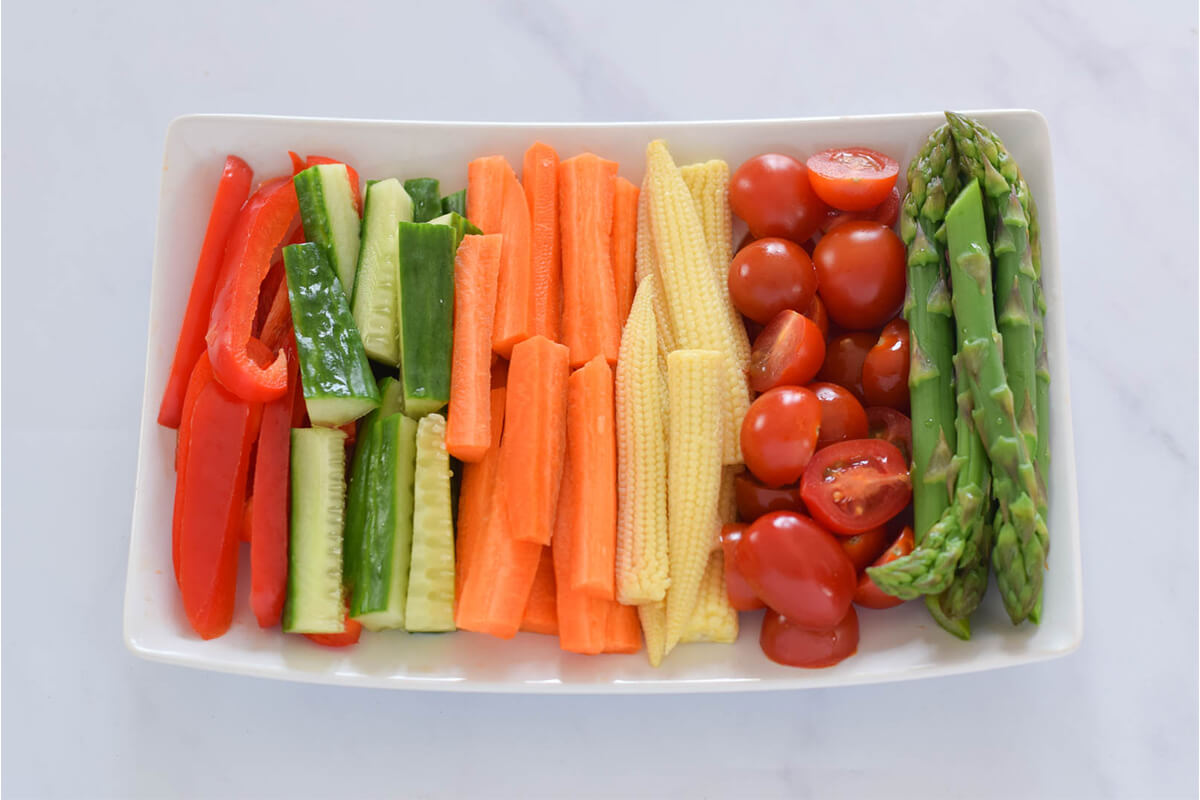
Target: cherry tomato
{"points": [[779, 434], [852, 178], [844, 357], [789, 351], [885, 213], [741, 596], [891, 426], [754, 499], [860, 271], [797, 568], [885, 369], [863, 548], [817, 313], [785, 642], [770, 275], [851, 487], [772, 194], [867, 594], [842, 417]]}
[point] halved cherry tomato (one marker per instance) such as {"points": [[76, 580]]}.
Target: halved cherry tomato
{"points": [[343, 639], [885, 369], [785, 642], [772, 194], [770, 275], [741, 596], [853, 486], [817, 313], [860, 271], [754, 499], [863, 548], [797, 568], [890, 425], [789, 351], [842, 417], [844, 357], [885, 213], [867, 594], [852, 178], [779, 434]]}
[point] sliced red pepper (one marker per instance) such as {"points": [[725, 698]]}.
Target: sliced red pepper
{"points": [[353, 173], [201, 376], [263, 223], [297, 162], [269, 525], [232, 191], [278, 322], [221, 430], [343, 639]]}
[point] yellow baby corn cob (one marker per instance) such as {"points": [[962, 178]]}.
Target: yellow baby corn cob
{"points": [[694, 421], [641, 399], [689, 284], [645, 267], [713, 619], [653, 617], [709, 184]]}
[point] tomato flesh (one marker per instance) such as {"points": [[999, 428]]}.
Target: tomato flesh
{"points": [[779, 434], [741, 596], [853, 486], [844, 358], [867, 594], [797, 568], [891, 426], [842, 416], [789, 351], [886, 213], [817, 313], [772, 193], [754, 499], [852, 178], [861, 274], [785, 642], [770, 275], [885, 368]]}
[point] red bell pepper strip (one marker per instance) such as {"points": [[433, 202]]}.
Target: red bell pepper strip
{"points": [[232, 191], [343, 639], [221, 430], [264, 221], [297, 162], [278, 321], [354, 188], [269, 524], [201, 376]]}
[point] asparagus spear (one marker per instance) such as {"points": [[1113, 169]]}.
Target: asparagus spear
{"points": [[932, 179], [1018, 553]]}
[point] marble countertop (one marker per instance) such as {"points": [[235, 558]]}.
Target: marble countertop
{"points": [[88, 91]]}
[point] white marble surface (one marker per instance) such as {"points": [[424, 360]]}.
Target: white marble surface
{"points": [[87, 95]]}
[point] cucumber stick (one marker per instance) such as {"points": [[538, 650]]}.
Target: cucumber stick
{"points": [[374, 300], [380, 591], [456, 202], [426, 304], [461, 225], [330, 221], [334, 371], [314, 584], [391, 391], [426, 200], [431, 576]]}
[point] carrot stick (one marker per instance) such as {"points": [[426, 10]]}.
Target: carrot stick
{"points": [[531, 451], [592, 443], [582, 620], [499, 371], [539, 173], [514, 293], [590, 324], [476, 267], [485, 191], [474, 496], [541, 610], [624, 632], [499, 576], [624, 244]]}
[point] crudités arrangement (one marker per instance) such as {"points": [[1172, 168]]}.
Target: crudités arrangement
{"points": [[559, 402]]}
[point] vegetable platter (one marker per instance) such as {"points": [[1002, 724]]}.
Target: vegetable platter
{"points": [[557, 408]]}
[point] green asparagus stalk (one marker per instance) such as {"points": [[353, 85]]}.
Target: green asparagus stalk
{"points": [[1018, 553], [932, 179]]}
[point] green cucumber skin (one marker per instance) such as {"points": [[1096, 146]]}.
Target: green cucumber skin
{"points": [[426, 197], [456, 203], [333, 364], [392, 392], [318, 489], [381, 586], [366, 443], [374, 299], [426, 315], [461, 225], [316, 215]]}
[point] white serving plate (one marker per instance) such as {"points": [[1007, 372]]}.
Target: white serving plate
{"points": [[898, 644]]}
